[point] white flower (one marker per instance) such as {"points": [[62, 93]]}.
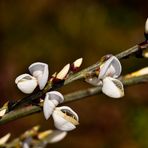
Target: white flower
{"points": [[111, 67], [27, 83], [52, 99], [65, 119], [109, 71], [112, 87], [40, 72]]}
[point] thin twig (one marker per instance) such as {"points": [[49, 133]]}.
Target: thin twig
{"points": [[25, 111], [76, 76]]}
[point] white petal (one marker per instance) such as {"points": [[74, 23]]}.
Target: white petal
{"points": [[23, 77], [55, 95], [112, 87], [52, 99], [4, 139], [41, 72], [56, 136], [62, 74], [26, 83], [111, 67], [146, 26], [48, 108], [78, 62], [62, 124], [65, 122]]}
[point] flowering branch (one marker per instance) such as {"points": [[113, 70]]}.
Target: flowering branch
{"points": [[136, 50], [25, 111], [34, 138], [104, 74]]}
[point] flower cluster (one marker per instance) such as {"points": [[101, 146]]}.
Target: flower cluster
{"points": [[27, 83], [109, 71], [65, 119], [34, 138]]}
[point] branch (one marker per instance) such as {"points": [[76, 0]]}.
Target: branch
{"points": [[82, 74], [35, 138], [22, 112], [25, 111]]}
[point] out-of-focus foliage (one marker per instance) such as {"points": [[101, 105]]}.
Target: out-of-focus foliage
{"points": [[58, 32]]}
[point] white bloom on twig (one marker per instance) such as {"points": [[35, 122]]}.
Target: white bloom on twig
{"points": [[27, 83], [109, 71], [40, 72], [52, 99], [65, 119]]}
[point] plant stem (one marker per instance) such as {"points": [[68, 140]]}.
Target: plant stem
{"points": [[79, 75], [25, 111]]}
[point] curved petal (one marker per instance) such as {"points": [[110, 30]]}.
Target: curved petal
{"points": [[52, 99], [111, 67], [52, 136], [65, 119], [113, 87], [55, 95], [57, 136], [48, 108], [26, 83], [41, 72]]}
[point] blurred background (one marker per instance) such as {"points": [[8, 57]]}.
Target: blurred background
{"points": [[58, 32]]}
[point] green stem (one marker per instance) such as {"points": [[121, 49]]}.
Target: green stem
{"points": [[79, 75], [25, 111]]}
